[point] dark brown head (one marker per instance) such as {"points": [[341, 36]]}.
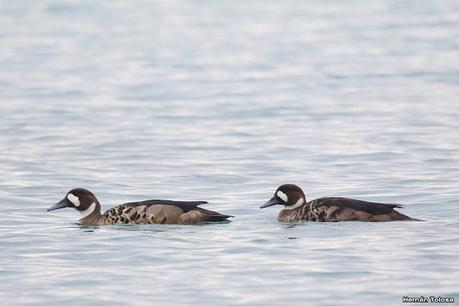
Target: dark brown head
{"points": [[82, 200], [289, 195]]}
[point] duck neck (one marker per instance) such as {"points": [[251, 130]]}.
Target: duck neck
{"points": [[91, 215], [298, 204]]}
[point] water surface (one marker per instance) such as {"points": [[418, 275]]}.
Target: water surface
{"points": [[204, 100]]}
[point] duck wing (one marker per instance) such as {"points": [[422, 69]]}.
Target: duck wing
{"points": [[186, 206], [372, 208]]}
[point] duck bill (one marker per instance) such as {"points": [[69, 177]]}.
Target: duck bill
{"points": [[272, 202], [61, 204]]}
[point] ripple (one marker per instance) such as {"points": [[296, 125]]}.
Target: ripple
{"points": [[223, 102]]}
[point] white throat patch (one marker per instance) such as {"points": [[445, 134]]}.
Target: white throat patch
{"points": [[296, 205], [88, 211], [283, 196], [74, 199]]}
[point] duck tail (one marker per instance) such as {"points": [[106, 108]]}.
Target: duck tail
{"points": [[213, 216], [398, 216], [217, 218], [414, 219]]}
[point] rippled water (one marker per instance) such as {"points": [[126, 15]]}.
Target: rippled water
{"points": [[224, 101]]}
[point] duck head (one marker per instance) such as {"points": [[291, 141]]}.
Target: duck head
{"points": [[84, 201], [289, 195]]}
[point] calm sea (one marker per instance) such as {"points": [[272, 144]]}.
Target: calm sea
{"points": [[224, 101]]}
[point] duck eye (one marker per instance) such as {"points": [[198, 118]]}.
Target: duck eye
{"points": [[282, 196], [74, 199]]}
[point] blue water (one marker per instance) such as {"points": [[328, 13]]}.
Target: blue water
{"points": [[224, 101]]}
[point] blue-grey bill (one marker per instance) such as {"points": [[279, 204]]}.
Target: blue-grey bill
{"points": [[272, 202], [61, 204]]}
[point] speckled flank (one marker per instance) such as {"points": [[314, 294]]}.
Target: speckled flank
{"points": [[156, 212], [153, 214]]}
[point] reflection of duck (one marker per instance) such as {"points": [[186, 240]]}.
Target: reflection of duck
{"points": [[144, 212], [296, 209]]}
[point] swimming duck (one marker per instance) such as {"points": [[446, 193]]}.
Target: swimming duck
{"points": [[329, 209], [144, 212]]}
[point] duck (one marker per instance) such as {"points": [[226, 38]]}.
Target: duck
{"points": [[143, 212], [330, 209]]}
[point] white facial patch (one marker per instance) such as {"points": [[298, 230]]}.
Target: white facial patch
{"points": [[88, 211], [296, 205], [74, 199], [282, 196]]}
